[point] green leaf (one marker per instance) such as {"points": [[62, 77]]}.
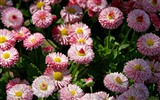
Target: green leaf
{"points": [[60, 21], [123, 46], [32, 70], [115, 53]]}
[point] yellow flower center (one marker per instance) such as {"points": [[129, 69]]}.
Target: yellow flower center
{"points": [[2, 2], [44, 86], [81, 40], [32, 40], [81, 52], [139, 19], [6, 55], [79, 31], [105, 98], [2, 39], [154, 2], [64, 31], [58, 76], [152, 68], [57, 59], [18, 94], [138, 67], [73, 92], [118, 80], [40, 4], [131, 98], [111, 15], [150, 42], [71, 10], [20, 34]]}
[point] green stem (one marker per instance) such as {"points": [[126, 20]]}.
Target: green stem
{"points": [[132, 37], [74, 71], [126, 36], [91, 89]]}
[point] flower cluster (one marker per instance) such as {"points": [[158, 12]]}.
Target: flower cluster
{"points": [[49, 48]]}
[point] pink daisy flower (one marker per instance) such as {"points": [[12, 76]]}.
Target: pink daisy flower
{"points": [[82, 3], [61, 77], [138, 20], [15, 81], [33, 41], [20, 92], [5, 3], [116, 82], [58, 61], [70, 92], [60, 34], [81, 40], [79, 29], [155, 20], [40, 5], [7, 39], [71, 14], [12, 17], [53, 1], [91, 96], [42, 19], [96, 5], [138, 70], [110, 18], [155, 68], [132, 94], [149, 44], [142, 88], [151, 5], [104, 95], [8, 57], [81, 54], [21, 33], [43, 86]]}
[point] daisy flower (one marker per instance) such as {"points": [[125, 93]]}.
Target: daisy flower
{"points": [[104, 95], [155, 20], [79, 29], [43, 86], [60, 34], [71, 14], [151, 5], [80, 39], [15, 81], [81, 54], [155, 68], [138, 70], [82, 3], [8, 57], [96, 5], [61, 77], [91, 96], [21, 33], [12, 17], [5, 3], [57, 60], [40, 5], [110, 18], [7, 39], [132, 94], [33, 41], [70, 92], [149, 44], [42, 19], [52, 2], [142, 88], [20, 92], [116, 82], [138, 20]]}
